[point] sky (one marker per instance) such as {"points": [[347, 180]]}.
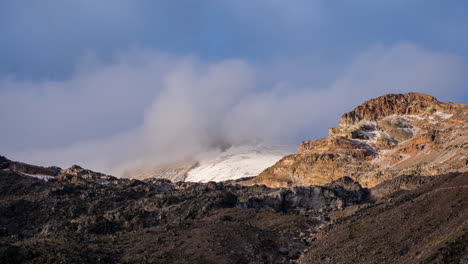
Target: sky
{"points": [[111, 82]]}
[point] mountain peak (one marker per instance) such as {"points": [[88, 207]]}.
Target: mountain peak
{"points": [[389, 104], [382, 138]]}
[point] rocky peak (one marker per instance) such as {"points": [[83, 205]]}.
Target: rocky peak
{"points": [[390, 104], [76, 170], [4, 162], [383, 138]]}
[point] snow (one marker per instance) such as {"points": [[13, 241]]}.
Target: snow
{"points": [[372, 137], [424, 116], [443, 115], [410, 130], [381, 157], [38, 176], [236, 162], [419, 117]]}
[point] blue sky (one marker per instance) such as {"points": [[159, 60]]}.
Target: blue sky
{"points": [[44, 39], [78, 74]]}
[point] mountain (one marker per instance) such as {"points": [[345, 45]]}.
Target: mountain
{"points": [[75, 215], [175, 171], [231, 163], [388, 185], [236, 162], [392, 135], [425, 224]]}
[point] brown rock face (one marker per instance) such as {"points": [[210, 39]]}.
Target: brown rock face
{"points": [[385, 137], [391, 104]]}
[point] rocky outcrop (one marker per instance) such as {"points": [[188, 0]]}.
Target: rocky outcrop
{"points": [[4, 162], [397, 104], [20, 167], [425, 223], [392, 135], [81, 216]]}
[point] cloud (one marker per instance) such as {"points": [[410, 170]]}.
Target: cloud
{"points": [[402, 68], [291, 112], [96, 101], [43, 39], [147, 108]]}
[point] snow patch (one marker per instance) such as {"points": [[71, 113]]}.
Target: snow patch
{"points": [[381, 156], [442, 115], [236, 163], [38, 176], [419, 117]]}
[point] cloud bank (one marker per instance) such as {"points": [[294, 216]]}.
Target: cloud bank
{"points": [[147, 108]]}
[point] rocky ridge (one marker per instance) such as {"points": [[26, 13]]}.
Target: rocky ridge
{"points": [[390, 145], [392, 135], [81, 216], [426, 223]]}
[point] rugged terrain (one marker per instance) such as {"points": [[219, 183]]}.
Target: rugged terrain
{"points": [[50, 215], [426, 225], [392, 135], [388, 185], [79, 216]]}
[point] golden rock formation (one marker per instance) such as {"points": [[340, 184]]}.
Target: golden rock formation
{"points": [[385, 137]]}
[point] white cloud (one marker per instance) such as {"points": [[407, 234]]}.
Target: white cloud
{"points": [[187, 106], [403, 68]]}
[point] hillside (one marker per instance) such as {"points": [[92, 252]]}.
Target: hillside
{"points": [[392, 135], [388, 185], [426, 225], [80, 216], [74, 215]]}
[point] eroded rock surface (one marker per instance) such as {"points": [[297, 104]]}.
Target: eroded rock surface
{"points": [[80, 216], [421, 223], [392, 135]]}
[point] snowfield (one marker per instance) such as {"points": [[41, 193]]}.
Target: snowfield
{"points": [[237, 162]]}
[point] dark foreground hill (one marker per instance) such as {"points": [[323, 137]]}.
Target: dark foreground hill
{"points": [[426, 225], [79, 216]]}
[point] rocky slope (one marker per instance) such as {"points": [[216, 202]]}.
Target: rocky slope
{"points": [[80, 216], [392, 135], [426, 225]]}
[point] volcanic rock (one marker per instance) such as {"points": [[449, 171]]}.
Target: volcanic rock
{"points": [[422, 224], [392, 135], [81, 216]]}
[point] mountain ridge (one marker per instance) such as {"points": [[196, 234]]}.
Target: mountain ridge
{"points": [[366, 187], [395, 133], [81, 216]]}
